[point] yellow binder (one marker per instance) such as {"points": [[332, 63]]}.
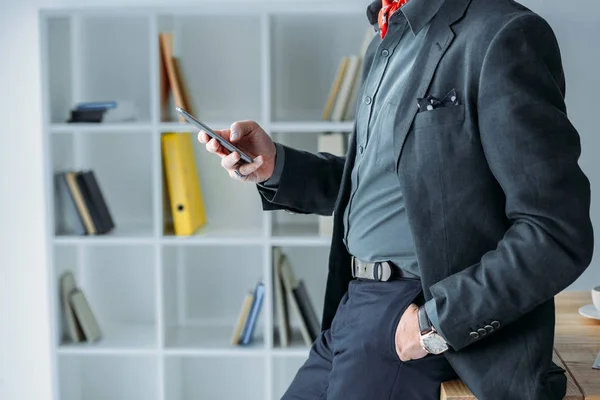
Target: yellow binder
{"points": [[183, 185]]}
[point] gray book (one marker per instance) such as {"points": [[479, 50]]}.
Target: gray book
{"points": [[72, 331], [85, 316]]}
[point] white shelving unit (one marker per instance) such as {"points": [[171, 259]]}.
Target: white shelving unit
{"points": [[167, 304]]}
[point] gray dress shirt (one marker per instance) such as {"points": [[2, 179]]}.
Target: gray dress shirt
{"points": [[375, 221]]}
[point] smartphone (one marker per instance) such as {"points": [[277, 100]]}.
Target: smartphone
{"points": [[214, 135]]}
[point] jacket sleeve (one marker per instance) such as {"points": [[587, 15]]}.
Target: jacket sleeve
{"points": [[532, 150], [306, 183]]}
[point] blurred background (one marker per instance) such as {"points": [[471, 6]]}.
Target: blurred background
{"points": [[116, 284]]}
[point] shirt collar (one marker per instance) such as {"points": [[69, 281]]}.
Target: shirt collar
{"points": [[417, 12]]}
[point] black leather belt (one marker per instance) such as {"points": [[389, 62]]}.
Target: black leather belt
{"points": [[378, 271]]}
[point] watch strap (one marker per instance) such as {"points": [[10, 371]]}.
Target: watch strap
{"points": [[424, 322]]}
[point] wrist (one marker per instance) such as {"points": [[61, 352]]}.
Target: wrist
{"points": [[430, 339]]}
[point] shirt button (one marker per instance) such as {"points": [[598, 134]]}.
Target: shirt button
{"points": [[360, 149], [385, 52], [368, 100]]}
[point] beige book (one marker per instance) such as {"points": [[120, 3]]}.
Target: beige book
{"points": [[343, 98], [166, 49], [356, 84], [335, 88], [85, 317], [80, 203], [241, 321]]}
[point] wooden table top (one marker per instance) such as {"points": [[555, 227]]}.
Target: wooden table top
{"points": [[576, 344]]}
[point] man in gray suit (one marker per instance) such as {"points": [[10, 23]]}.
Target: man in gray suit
{"points": [[460, 210]]}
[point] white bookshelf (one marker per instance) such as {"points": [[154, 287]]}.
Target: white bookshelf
{"points": [[167, 304]]}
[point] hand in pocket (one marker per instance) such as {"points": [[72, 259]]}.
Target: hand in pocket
{"points": [[408, 337]]}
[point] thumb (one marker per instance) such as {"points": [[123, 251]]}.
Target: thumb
{"points": [[240, 129]]}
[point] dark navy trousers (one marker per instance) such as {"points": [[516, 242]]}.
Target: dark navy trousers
{"points": [[356, 358]]}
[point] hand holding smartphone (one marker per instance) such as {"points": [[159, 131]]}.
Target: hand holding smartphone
{"points": [[222, 141]]}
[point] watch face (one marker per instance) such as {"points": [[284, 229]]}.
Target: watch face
{"points": [[434, 344]]}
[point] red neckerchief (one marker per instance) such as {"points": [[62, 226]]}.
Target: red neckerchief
{"points": [[388, 7]]}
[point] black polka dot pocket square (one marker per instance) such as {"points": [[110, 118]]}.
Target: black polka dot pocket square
{"points": [[430, 102]]}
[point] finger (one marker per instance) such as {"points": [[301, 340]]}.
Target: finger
{"points": [[240, 129], [203, 137], [214, 147], [229, 162], [250, 168]]}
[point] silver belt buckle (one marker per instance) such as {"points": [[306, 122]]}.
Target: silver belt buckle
{"points": [[379, 271]]}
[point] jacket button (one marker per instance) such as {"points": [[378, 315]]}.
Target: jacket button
{"points": [[489, 328], [482, 332], [495, 324], [474, 335]]}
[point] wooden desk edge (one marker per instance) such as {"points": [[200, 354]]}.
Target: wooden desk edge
{"points": [[457, 390]]}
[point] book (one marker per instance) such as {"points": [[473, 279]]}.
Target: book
{"points": [[350, 113], [251, 321], [78, 321], [306, 310], [290, 283], [72, 329], [281, 306], [183, 186], [81, 206], [242, 318], [172, 72], [335, 88], [95, 200], [104, 111], [67, 219], [84, 316], [345, 91]]}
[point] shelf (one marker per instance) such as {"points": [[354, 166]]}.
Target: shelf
{"points": [[203, 290], [222, 77], [218, 236], [167, 305], [309, 267], [228, 202], [311, 127], [117, 339], [100, 377], [128, 234], [110, 127], [123, 167], [306, 52], [119, 285], [209, 340], [185, 127], [215, 378], [114, 55]]}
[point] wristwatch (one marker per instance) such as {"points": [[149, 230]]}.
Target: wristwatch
{"points": [[431, 340]]}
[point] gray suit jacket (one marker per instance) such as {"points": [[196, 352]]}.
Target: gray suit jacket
{"points": [[497, 204]]}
